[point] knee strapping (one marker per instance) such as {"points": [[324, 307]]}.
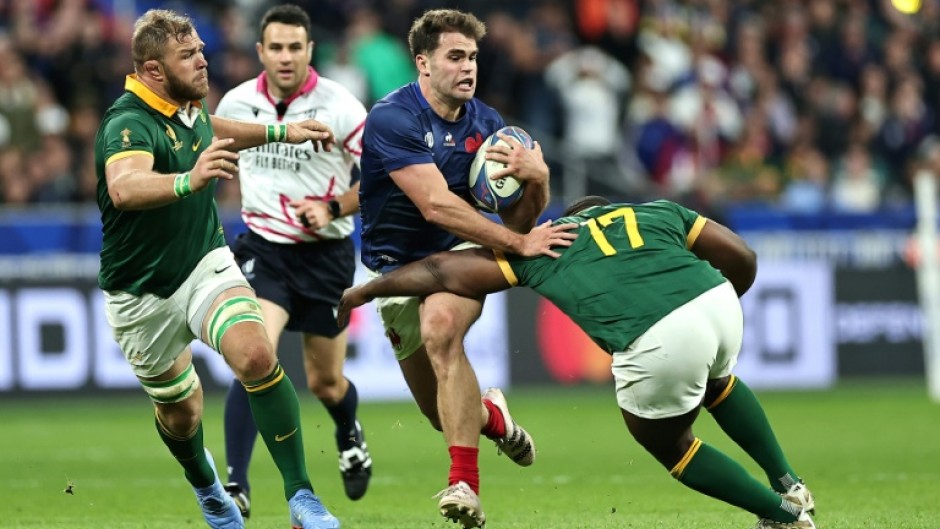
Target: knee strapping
{"points": [[175, 390], [235, 310]]}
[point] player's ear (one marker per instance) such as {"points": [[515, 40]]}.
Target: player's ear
{"points": [[421, 62], [153, 68]]}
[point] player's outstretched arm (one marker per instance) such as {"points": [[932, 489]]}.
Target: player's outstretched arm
{"points": [[426, 187], [469, 273], [247, 135], [133, 185], [728, 253]]}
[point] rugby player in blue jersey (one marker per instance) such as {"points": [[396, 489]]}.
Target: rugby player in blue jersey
{"points": [[418, 144]]}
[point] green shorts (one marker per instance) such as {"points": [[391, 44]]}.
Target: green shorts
{"points": [[153, 331], [400, 317]]}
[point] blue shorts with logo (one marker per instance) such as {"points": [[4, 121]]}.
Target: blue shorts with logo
{"points": [[306, 279]]}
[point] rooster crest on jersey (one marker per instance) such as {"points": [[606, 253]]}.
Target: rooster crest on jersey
{"points": [[496, 195]]}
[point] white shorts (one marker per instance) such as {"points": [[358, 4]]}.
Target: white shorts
{"points": [[400, 317], [153, 331], [664, 371]]}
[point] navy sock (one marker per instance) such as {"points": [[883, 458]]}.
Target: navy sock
{"points": [[240, 434], [344, 415]]}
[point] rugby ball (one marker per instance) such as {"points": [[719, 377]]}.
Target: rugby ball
{"points": [[496, 195]]}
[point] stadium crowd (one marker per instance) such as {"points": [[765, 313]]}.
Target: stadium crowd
{"points": [[801, 105]]}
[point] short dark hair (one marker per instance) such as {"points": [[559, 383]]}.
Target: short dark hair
{"points": [[153, 30], [425, 34], [288, 14], [584, 203]]}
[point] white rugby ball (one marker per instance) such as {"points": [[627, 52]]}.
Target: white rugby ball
{"points": [[496, 195]]}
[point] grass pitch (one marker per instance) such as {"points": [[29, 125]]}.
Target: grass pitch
{"points": [[868, 451]]}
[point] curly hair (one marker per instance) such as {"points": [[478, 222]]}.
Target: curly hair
{"points": [[425, 34], [153, 30]]}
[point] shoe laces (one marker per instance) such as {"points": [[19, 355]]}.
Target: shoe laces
{"points": [[516, 445], [355, 459], [309, 505], [212, 504], [459, 490]]}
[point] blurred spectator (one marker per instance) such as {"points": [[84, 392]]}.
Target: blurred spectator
{"points": [[19, 102], [610, 25], [538, 44], [747, 176], [669, 55], [341, 69], [730, 101], [931, 72], [51, 171], [707, 114], [496, 62], [807, 188], [592, 86], [854, 52], [660, 145], [909, 121], [873, 101], [384, 59], [856, 186], [834, 105], [15, 184]]}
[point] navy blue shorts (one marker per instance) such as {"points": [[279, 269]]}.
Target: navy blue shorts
{"points": [[306, 279]]}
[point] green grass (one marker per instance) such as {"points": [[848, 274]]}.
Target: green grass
{"points": [[868, 451]]}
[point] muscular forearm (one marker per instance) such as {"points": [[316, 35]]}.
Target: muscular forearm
{"points": [[456, 216], [469, 273], [246, 135], [525, 213], [414, 279], [137, 190]]}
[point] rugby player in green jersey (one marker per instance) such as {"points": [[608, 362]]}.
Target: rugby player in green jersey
{"points": [[166, 272], [656, 285]]}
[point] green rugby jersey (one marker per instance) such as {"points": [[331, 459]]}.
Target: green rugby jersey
{"points": [[153, 250], [629, 267]]}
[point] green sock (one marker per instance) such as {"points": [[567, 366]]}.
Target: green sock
{"points": [[276, 410], [191, 454], [742, 417], [711, 472]]}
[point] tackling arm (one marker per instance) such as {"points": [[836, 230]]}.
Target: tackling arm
{"points": [[425, 186], [729, 253], [469, 273]]}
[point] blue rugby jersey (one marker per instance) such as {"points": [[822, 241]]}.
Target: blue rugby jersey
{"points": [[401, 130]]}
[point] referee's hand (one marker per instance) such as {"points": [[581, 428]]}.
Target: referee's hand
{"points": [[313, 214], [310, 129]]}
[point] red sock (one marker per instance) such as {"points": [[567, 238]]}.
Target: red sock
{"points": [[495, 426], [463, 466]]}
